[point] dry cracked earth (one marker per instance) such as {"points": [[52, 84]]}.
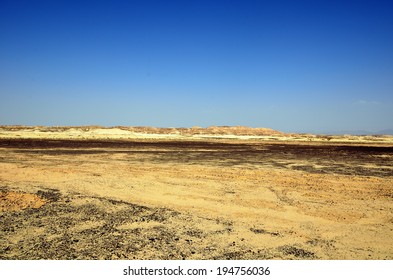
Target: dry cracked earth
{"points": [[100, 199]]}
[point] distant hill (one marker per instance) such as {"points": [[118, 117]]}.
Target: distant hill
{"points": [[184, 131], [195, 130], [213, 130]]}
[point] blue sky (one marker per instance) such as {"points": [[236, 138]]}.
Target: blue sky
{"points": [[305, 66]]}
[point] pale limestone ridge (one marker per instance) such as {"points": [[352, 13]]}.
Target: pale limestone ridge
{"points": [[135, 131], [192, 133], [211, 130]]}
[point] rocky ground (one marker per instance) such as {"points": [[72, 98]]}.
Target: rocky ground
{"points": [[213, 199]]}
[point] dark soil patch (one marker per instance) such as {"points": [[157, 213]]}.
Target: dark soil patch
{"points": [[297, 252], [262, 231], [51, 195]]}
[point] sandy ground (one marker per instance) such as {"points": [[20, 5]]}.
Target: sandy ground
{"points": [[194, 200]]}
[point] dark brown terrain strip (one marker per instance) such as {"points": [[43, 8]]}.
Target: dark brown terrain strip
{"points": [[102, 143], [335, 159]]}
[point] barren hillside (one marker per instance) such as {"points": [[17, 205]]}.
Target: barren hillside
{"points": [[193, 133]]}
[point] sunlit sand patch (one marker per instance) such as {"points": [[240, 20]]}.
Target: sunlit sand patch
{"points": [[87, 225], [135, 225]]}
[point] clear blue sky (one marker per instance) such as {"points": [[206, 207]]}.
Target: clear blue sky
{"points": [[305, 66]]}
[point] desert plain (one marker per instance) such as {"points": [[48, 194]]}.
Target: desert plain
{"points": [[193, 193]]}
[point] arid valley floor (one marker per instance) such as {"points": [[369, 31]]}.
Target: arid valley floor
{"points": [[193, 197]]}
